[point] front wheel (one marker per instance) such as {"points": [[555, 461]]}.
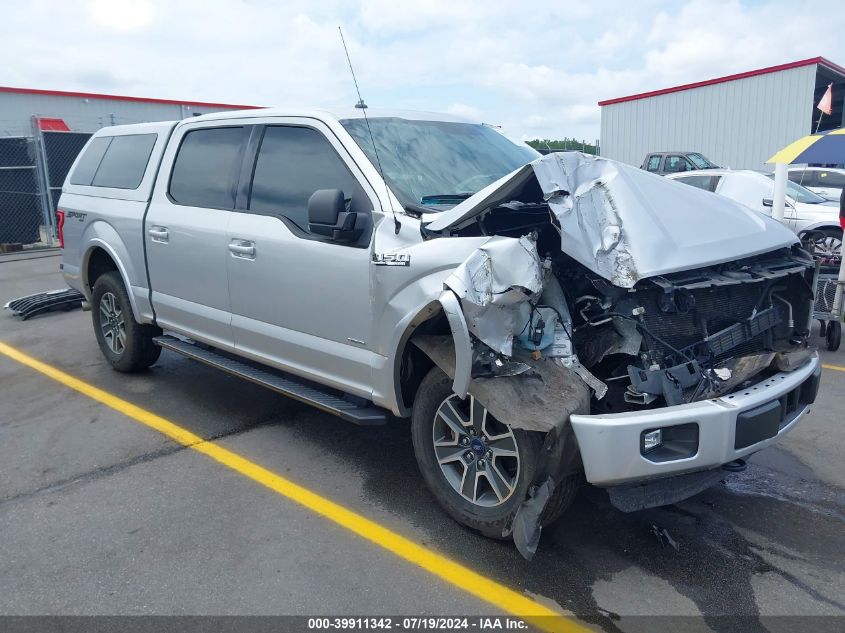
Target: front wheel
{"points": [[478, 468], [827, 243], [126, 344]]}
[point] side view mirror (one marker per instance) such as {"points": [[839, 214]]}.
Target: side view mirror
{"points": [[327, 216], [768, 202]]}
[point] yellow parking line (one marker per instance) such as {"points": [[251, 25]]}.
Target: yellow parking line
{"points": [[444, 568], [834, 367]]}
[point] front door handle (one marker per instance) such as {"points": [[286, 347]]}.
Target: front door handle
{"points": [[159, 234], [242, 248]]}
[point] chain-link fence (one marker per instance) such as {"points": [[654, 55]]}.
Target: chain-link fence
{"points": [[32, 171], [21, 208], [60, 150]]}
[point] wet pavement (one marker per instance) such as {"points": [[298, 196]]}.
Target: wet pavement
{"points": [[101, 515]]}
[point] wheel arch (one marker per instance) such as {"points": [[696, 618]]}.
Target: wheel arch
{"points": [[821, 226], [411, 364], [99, 259]]}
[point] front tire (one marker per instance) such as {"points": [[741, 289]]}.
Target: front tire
{"points": [[126, 344], [477, 468], [827, 243]]}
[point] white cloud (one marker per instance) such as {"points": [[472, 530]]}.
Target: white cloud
{"points": [[391, 17], [123, 15], [539, 71], [464, 110]]}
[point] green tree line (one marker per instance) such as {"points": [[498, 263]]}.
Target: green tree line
{"points": [[563, 144]]}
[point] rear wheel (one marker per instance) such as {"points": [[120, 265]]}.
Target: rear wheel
{"points": [[833, 336], [478, 468], [126, 344]]}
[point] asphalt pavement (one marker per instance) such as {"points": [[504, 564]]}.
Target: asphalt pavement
{"points": [[102, 515]]}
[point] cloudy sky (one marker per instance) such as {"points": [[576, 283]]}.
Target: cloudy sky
{"points": [[537, 72]]}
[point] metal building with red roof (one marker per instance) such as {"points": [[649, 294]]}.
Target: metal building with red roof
{"points": [[89, 111], [737, 120]]}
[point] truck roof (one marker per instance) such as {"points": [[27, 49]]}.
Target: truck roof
{"points": [[164, 129], [336, 114]]}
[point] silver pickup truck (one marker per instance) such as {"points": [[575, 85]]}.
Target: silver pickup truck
{"points": [[541, 320]]}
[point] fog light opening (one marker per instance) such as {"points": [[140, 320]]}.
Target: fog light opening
{"points": [[652, 439], [669, 443]]}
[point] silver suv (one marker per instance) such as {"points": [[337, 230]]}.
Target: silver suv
{"points": [[541, 320]]}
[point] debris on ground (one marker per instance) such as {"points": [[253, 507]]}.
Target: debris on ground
{"points": [[663, 537], [41, 302]]}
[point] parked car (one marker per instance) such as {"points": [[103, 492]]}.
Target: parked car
{"points": [[806, 213], [828, 183], [534, 337], [674, 162]]}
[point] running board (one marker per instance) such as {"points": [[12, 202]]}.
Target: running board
{"points": [[29, 306], [357, 411]]}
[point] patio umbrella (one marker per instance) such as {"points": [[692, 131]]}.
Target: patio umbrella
{"points": [[826, 148], [821, 148]]}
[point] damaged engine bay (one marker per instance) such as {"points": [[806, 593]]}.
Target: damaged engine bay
{"points": [[636, 341], [603, 290]]}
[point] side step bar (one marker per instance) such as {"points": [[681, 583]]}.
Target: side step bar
{"points": [[361, 412]]}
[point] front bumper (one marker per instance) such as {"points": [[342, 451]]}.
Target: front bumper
{"points": [[610, 444]]}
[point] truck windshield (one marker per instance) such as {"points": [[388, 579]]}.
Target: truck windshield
{"points": [[700, 162], [436, 164]]}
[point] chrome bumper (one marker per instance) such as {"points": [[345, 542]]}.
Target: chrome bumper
{"points": [[610, 444]]}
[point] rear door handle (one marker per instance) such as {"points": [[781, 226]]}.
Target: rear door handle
{"points": [[244, 249], [159, 234]]}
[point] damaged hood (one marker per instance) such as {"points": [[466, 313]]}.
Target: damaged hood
{"points": [[627, 224]]}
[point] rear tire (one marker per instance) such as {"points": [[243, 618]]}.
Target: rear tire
{"points": [[833, 336], [126, 344], [507, 456]]}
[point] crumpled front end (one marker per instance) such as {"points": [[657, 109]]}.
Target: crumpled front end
{"points": [[606, 291], [599, 266], [618, 221], [496, 285]]}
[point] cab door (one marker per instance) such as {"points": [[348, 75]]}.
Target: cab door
{"points": [[185, 231], [300, 301]]}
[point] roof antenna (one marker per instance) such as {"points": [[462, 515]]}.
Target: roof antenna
{"points": [[363, 107]]}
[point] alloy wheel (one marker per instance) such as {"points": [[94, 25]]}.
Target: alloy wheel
{"points": [[112, 324], [476, 453], [827, 246]]}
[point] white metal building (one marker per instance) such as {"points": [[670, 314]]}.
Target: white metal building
{"points": [[88, 112], [737, 121], [41, 133]]}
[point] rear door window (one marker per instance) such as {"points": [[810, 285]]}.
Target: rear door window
{"points": [[293, 163], [677, 163], [804, 177], [115, 161], [206, 167], [830, 179]]}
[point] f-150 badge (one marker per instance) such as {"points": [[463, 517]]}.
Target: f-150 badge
{"points": [[392, 259]]}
